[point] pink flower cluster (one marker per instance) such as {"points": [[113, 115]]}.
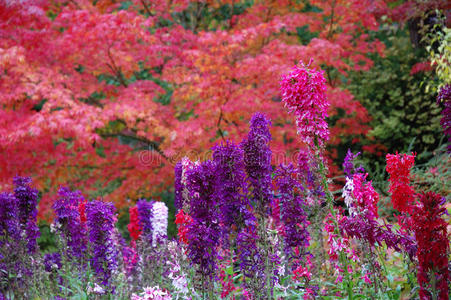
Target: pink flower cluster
{"points": [[302, 272], [152, 293], [365, 196], [304, 93], [338, 244]]}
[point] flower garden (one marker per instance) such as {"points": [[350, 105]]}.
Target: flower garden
{"points": [[237, 222]]}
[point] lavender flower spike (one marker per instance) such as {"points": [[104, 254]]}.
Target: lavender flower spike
{"points": [[231, 186], [27, 201], [101, 219], [203, 231], [145, 213], [9, 222], [257, 160], [178, 186], [348, 164], [293, 214], [69, 222]]}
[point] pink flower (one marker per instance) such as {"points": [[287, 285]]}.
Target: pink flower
{"points": [[304, 93], [365, 195], [152, 293], [433, 171], [302, 272], [366, 279], [309, 294]]}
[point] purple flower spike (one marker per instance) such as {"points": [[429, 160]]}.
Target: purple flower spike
{"points": [[201, 185], [203, 231], [444, 97], [27, 202], [178, 186], [203, 240], [101, 219], [250, 256], [257, 161], [348, 164], [294, 217], [52, 261], [231, 186], [145, 214], [374, 233], [69, 222], [9, 221], [12, 257]]}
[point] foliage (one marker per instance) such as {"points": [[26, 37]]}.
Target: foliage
{"points": [[403, 114], [440, 58], [109, 95]]}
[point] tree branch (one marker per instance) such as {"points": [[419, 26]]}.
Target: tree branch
{"points": [[116, 71], [152, 144], [146, 8]]}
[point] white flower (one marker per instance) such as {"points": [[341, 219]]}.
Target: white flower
{"points": [[348, 194], [154, 293], [159, 222], [96, 290]]}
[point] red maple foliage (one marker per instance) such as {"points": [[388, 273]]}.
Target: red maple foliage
{"points": [[108, 95]]}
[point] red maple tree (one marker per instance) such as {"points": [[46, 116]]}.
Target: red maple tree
{"points": [[107, 95]]}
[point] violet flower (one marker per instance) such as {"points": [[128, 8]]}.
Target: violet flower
{"points": [[27, 203], [68, 221], [374, 233], [444, 96], [201, 184], [203, 230], [293, 215], [231, 187], [52, 261], [14, 265], [250, 256], [178, 186], [9, 220], [101, 221], [348, 164], [145, 214], [203, 240], [257, 161]]}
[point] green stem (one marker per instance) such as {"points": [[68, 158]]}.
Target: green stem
{"points": [[330, 201], [267, 260], [434, 291]]}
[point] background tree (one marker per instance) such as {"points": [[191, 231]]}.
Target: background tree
{"points": [[113, 93]]}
